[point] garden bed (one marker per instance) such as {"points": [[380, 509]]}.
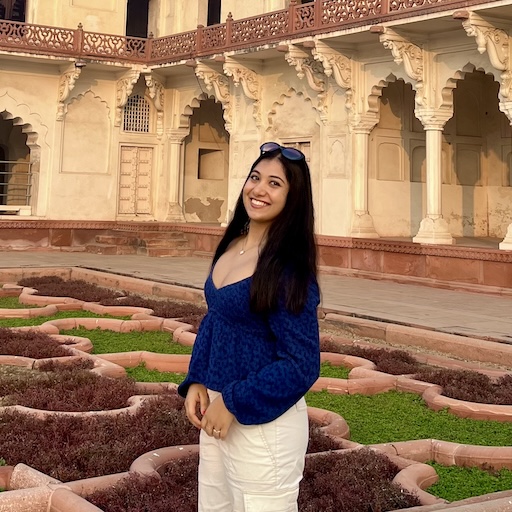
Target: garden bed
{"points": [[394, 358]]}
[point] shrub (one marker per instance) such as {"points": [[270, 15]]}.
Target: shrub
{"points": [[161, 308], [176, 490], [470, 385], [34, 344], [352, 481], [356, 481], [70, 391], [73, 448], [53, 286], [394, 362], [318, 441]]}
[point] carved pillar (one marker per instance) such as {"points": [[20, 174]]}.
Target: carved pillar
{"points": [[433, 228], [175, 139], [362, 222]]}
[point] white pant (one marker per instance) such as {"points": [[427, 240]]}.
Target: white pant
{"points": [[256, 468]]}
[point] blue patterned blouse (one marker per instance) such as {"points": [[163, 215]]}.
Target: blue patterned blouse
{"points": [[261, 365]]}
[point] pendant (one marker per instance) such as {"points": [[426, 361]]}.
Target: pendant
{"points": [[241, 252]]}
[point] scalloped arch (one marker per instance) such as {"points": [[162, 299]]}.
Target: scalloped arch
{"points": [[451, 83], [376, 92], [78, 97], [195, 102], [281, 101], [21, 115]]}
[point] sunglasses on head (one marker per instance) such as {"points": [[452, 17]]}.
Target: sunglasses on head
{"points": [[289, 153]]}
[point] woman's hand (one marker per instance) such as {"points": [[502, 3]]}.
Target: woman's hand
{"points": [[197, 398], [217, 419]]}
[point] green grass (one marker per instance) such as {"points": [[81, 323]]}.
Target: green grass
{"points": [[142, 374], [380, 418], [13, 303], [22, 322], [336, 372], [456, 483], [106, 342], [396, 416]]}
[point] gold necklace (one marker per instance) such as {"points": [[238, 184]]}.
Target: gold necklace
{"points": [[244, 249]]}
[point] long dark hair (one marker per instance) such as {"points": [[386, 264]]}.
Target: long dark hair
{"points": [[287, 263]]}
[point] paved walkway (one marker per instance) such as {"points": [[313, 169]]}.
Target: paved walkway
{"points": [[457, 312]]}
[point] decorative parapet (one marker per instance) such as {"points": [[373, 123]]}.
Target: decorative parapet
{"points": [[297, 21]]}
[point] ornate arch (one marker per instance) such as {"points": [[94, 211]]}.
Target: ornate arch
{"points": [[451, 83], [281, 101], [31, 123]]}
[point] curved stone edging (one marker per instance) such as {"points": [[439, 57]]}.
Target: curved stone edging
{"points": [[134, 403]]}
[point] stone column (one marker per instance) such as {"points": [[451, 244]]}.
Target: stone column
{"points": [[433, 228], [175, 163], [362, 222], [506, 243]]}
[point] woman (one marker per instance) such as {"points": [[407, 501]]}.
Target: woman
{"points": [[257, 350]]}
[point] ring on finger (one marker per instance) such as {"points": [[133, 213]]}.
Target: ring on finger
{"points": [[215, 431]]}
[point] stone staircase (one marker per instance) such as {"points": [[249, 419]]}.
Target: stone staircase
{"points": [[146, 243]]}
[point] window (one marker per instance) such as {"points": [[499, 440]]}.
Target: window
{"points": [[213, 12], [136, 114], [13, 10], [137, 12]]}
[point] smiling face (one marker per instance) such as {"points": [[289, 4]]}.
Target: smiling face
{"points": [[265, 191]]}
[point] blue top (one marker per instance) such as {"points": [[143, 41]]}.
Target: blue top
{"points": [[262, 364]]}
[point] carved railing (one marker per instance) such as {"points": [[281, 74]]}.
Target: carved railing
{"points": [[318, 17]]}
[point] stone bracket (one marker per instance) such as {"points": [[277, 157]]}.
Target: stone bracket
{"points": [[493, 40], [217, 82], [249, 80], [336, 65], [66, 85], [407, 53], [156, 90], [311, 69], [124, 88]]}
